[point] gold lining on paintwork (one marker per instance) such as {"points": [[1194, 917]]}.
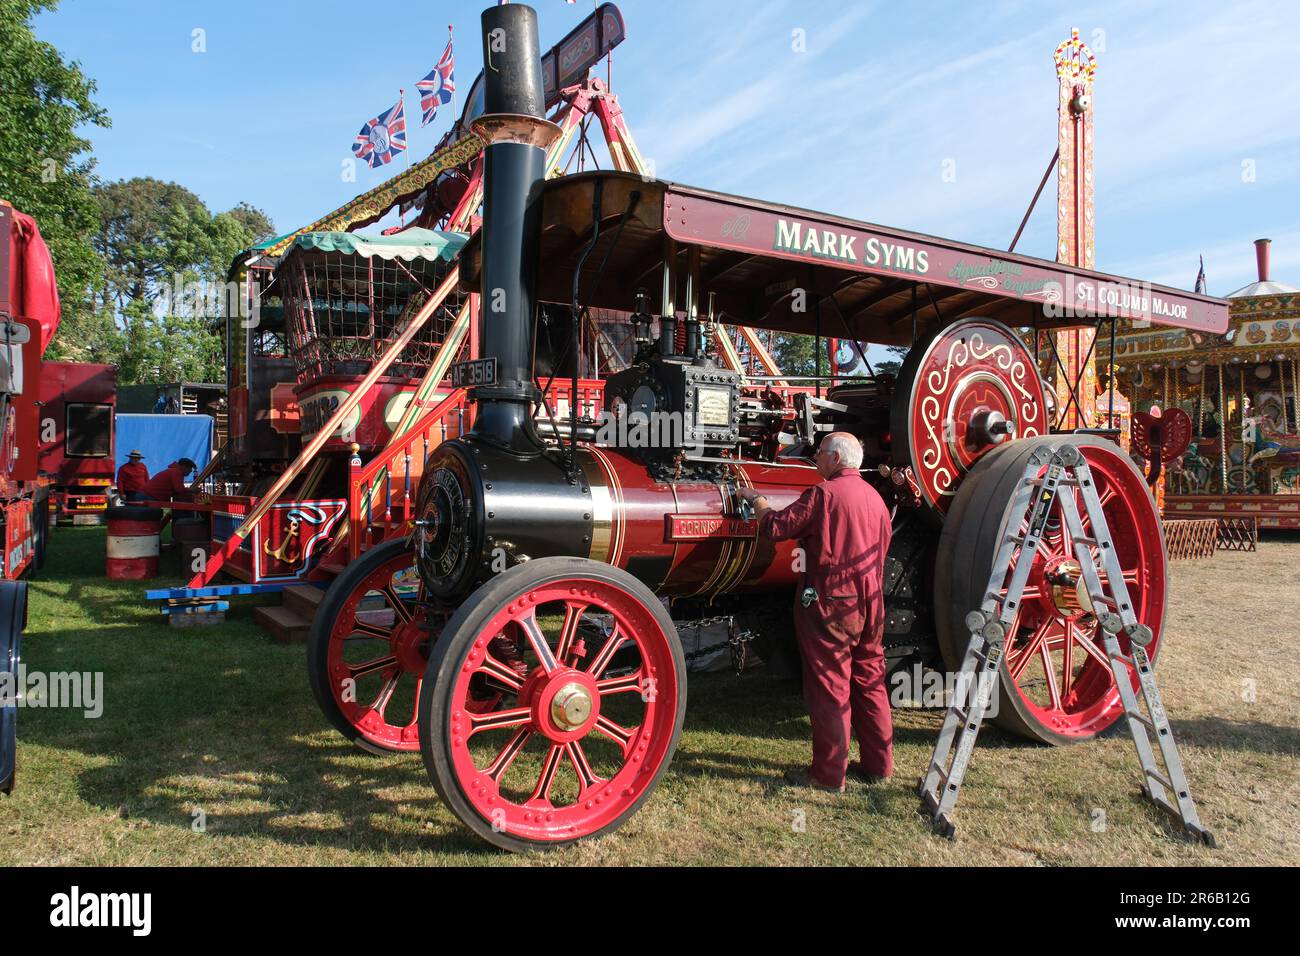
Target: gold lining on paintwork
{"points": [[602, 509], [744, 548]]}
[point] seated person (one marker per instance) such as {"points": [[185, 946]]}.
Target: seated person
{"points": [[167, 485]]}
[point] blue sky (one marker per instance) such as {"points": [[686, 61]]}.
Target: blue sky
{"points": [[1189, 95]]}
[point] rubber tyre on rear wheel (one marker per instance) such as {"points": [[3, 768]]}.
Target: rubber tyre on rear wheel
{"points": [[969, 540]]}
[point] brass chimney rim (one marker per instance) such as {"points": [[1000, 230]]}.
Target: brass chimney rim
{"points": [[516, 128]]}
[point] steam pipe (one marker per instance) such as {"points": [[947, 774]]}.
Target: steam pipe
{"points": [[514, 168]]}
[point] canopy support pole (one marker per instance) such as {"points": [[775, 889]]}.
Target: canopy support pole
{"points": [[1034, 202]]}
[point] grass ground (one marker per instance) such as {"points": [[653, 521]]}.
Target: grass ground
{"points": [[220, 721]]}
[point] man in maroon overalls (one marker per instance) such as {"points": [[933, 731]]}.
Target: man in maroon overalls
{"points": [[843, 527], [168, 484]]}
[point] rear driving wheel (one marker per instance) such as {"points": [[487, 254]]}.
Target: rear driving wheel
{"points": [[553, 703], [369, 648], [1057, 686]]}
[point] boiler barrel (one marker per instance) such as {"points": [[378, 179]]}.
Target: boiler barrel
{"points": [[133, 541], [479, 503], [690, 538]]}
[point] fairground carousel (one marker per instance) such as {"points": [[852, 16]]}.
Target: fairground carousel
{"points": [[1239, 389]]}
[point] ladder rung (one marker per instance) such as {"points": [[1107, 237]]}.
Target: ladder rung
{"points": [[1158, 776], [1142, 719]]}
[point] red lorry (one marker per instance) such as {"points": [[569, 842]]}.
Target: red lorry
{"points": [[29, 315], [78, 404]]}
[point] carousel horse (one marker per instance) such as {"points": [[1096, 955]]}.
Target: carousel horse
{"points": [[1274, 445], [1276, 456], [1193, 477], [1160, 438]]}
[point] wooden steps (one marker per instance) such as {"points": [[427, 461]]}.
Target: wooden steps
{"points": [[303, 600], [290, 623]]}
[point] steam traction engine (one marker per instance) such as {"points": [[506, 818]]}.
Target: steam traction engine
{"points": [[523, 636]]}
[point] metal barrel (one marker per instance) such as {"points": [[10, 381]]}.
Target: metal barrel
{"points": [[133, 543], [192, 536]]}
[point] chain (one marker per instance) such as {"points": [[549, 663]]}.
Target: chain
{"points": [[737, 640]]}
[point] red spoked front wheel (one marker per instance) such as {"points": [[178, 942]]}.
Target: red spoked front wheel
{"points": [[369, 647], [1057, 685], [553, 703]]}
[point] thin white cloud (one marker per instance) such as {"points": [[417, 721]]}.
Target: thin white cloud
{"points": [[1185, 92]]}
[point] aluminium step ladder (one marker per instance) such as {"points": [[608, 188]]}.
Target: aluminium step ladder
{"points": [[1110, 603]]}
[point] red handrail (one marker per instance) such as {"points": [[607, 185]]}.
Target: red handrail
{"points": [[390, 471], [392, 466]]}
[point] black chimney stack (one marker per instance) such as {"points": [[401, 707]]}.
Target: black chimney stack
{"points": [[517, 137]]}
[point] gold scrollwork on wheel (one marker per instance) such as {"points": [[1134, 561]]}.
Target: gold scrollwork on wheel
{"points": [[963, 352]]}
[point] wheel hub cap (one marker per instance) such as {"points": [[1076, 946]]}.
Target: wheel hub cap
{"points": [[410, 644], [1068, 590], [988, 426], [565, 704], [571, 706]]}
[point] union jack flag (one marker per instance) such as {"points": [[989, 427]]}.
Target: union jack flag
{"points": [[439, 86], [383, 137]]}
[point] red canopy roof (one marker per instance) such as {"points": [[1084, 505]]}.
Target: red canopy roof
{"points": [[795, 270]]}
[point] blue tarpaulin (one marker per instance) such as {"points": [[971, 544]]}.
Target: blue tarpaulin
{"points": [[164, 438]]}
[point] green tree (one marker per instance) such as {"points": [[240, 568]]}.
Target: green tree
{"points": [[232, 232], [122, 251], [167, 259], [163, 347], [255, 222], [892, 365], [86, 334], [153, 234], [46, 169], [146, 234], [795, 354]]}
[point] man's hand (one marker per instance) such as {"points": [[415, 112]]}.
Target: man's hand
{"points": [[758, 500]]}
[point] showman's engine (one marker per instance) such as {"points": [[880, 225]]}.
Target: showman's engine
{"points": [[573, 551]]}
